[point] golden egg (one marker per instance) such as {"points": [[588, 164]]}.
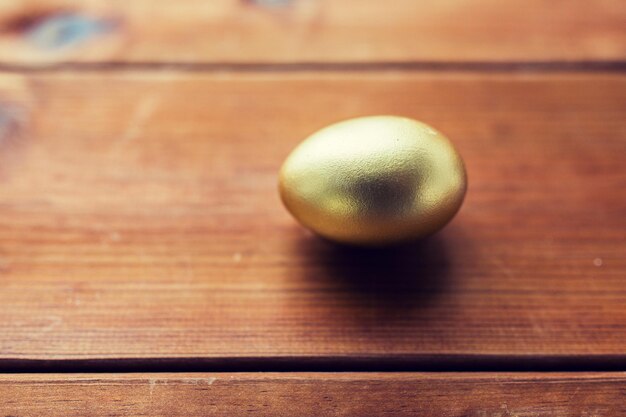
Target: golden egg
{"points": [[374, 181]]}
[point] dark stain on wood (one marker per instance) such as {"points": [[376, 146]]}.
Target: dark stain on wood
{"points": [[12, 120], [53, 29], [25, 22]]}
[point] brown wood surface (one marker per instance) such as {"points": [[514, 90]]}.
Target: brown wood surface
{"points": [[315, 394], [200, 31], [139, 218], [141, 230]]}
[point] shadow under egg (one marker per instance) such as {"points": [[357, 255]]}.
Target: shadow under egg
{"points": [[378, 286]]}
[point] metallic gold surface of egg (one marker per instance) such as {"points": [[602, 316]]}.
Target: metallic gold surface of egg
{"points": [[374, 180]]}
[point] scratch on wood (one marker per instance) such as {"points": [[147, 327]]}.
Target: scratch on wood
{"points": [[152, 383], [110, 238], [269, 3], [200, 381], [502, 267], [54, 321], [142, 113]]}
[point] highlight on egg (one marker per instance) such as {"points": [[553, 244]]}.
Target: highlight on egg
{"points": [[374, 181]]}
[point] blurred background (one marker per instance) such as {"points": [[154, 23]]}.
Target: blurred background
{"points": [[288, 31]]}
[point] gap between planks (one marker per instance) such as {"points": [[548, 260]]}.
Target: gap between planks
{"points": [[617, 66], [375, 363]]}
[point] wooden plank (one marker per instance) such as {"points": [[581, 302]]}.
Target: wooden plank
{"points": [[244, 31], [139, 218], [315, 394]]}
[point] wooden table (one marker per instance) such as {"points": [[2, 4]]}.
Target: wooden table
{"points": [[147, 266]]}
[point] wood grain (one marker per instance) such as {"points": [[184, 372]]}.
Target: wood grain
{"points": [[314, 394], [139, 218], [244, 31]]}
